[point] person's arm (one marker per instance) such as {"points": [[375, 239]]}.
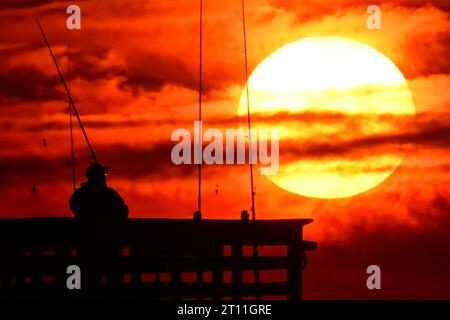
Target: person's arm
{"points": [[123, 208], [74, 203], [120, 207]]}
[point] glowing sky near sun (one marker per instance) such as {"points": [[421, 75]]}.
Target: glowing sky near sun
{"points": [[329, 75]]}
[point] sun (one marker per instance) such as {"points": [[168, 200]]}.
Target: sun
{"points": [[335, 101]]}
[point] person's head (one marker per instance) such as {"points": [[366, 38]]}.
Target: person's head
{"points": [[244, 215], [96, 173]]}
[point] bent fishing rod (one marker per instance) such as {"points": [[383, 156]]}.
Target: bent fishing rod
{"points": [[72, 103]]}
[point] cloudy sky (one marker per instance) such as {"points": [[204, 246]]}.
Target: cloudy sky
{"points": [[134, 77]]}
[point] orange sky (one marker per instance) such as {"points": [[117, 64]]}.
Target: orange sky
{"points": [[134, 77]]}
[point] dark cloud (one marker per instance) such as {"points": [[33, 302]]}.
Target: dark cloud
{"points": [[21, 4], [370, 145], [276, 119], [92, 64], [127, 162], [429, 52], [425, 130], [135, 162], [417, 52], [311, 9], [148, 72], [152, 72], [27, 83]]}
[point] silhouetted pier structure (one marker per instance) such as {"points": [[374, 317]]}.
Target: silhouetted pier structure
{"points": [[161, 258]]}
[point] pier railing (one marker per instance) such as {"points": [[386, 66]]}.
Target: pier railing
{"points": [[161, 258]]}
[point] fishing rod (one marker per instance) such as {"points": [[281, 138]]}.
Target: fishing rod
{"points": [[255, 247], [200, 66], [75, 111], [72, 153], [248, 115]]}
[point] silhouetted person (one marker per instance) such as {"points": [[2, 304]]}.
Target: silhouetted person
{"points": [[94, 201], [197, 216], [244, 215], [101, 212]]}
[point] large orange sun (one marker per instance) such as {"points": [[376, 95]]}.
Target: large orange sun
{"points": [[324, 92]]}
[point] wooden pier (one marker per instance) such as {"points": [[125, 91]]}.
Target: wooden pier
{"points": [[161, 258]]}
